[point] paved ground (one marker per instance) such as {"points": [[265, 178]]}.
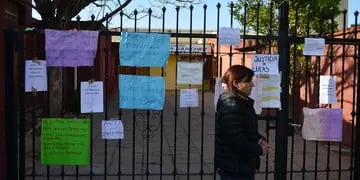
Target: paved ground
{"points": [[192, 154]]}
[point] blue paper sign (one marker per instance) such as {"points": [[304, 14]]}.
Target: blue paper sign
{"points": [[144, 49], [141, 92]]}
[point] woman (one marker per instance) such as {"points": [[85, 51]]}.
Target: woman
{"points": [[238, 144]]}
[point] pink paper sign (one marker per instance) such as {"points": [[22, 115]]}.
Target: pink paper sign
{"points": [[70, 48], [322, 124]]}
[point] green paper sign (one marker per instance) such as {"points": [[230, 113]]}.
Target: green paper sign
{"points": [[65, 141]]}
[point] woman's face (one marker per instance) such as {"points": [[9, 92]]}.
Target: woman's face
{"points": [[244, 87]]}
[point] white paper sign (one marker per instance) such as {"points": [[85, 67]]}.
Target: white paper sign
{"points": [[270, 92], [322, 124], [112, 129], [229, 36], [314, 46], [327, 90], [218, 90], [189, 72], [35, 76], [189, 98], [91, 97], [256, 95], [265, 64]]}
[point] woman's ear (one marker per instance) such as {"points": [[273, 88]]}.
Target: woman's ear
{"points": [[235, 84]]}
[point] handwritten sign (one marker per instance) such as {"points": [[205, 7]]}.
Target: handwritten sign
{"points": [[229, 36], [112, 129], [314, 46], [322, 124], [265, 64], [65, 141], [327, 90], [70, 48], [35, 76], [144, 49], [271, 90], [189, 98], [141, 92], [189, 72], [92, 97]]}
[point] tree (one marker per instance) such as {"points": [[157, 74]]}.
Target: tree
{"points": [[57, 14], [306, 18]]}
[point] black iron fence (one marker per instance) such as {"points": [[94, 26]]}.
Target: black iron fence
{"points": [[178, 143]]}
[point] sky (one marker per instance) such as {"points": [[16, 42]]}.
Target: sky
{"points": [[184, 15]]}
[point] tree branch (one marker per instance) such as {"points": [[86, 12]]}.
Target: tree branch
{"points": [[122, 6]]}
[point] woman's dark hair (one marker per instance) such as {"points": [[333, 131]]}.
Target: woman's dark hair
{"points": [[237, 73]]}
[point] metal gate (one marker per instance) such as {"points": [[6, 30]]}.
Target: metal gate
{"points": [[178, 143]]}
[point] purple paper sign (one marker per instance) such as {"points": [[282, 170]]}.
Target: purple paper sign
{"points": [[70, 48]]}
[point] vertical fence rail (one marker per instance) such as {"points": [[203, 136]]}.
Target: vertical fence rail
{"points": [[11, 124], [282, 121]]}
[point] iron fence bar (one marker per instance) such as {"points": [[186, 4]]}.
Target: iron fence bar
{"points": [[10, 109], [134, 111], [353, 113], [244, 33], [267, 118], [331, 56], [231, 26], [282, 122], [21, 89], [148, 115], [175, 110], [106, 94], [217, 70], [342, 86], [77, 95], [318, 61], [203, 100], [357, 139], [189, 109], [119, 108], [294, 88], [33, 116], [307, 79], [162, 111]]}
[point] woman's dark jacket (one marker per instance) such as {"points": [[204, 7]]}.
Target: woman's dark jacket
{"points": [[236, 135]]}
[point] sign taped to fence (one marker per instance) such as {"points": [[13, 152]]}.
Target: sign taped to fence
{"points": [[271, 90], [322, 124], [35, 75], [189, 98], [65, 141], [141, 92], [265, 64], [314, 46], [92, 97], [229, 36], [144, 49], [70, 48], [189, 73], [219, 88], [327, 89], [112, 129]]}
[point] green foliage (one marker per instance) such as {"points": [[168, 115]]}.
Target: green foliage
{"points": [[306, 18], [308, 15]]}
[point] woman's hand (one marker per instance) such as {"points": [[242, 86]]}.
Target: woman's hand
{"points": [[264, 146]]}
